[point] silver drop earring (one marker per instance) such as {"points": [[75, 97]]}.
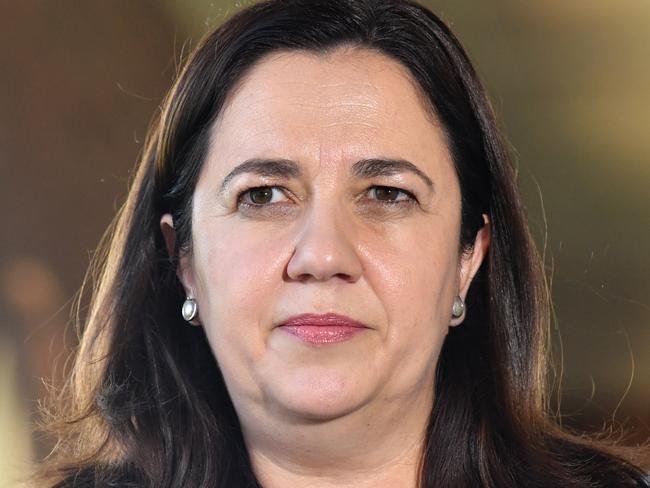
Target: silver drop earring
{"points": [[458, 308], [190, 309]]}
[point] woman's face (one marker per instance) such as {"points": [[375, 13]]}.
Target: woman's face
{"points": [[327, 134]]}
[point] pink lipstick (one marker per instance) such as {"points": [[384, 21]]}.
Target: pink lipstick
{"points": [[322, 329]]}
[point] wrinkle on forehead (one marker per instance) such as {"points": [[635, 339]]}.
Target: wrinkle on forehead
{"points": [[346, 105], [348, 55]]}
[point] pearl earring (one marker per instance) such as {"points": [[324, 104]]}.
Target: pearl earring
{"points": [[190, 309], [458, 308]]}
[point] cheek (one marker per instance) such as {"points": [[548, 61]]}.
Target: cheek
{"points": [[407, 284], [239, 272], [416, 271], [435, 279], [243, 271], [413, 274]]}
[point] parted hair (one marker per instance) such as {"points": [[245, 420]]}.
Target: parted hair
{"points": [[145, 403]]}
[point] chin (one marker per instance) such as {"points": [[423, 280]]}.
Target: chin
{"points": [[317, 396]]}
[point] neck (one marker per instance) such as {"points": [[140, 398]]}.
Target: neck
{"points": [[370, 447]]}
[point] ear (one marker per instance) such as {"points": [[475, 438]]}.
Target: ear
{"points": [[471, 262], [184, 269]]}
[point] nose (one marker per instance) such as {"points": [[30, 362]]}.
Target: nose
{"points": [[325, 248]]}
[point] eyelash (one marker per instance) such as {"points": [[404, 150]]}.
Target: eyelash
{"points": [[410, 200]]}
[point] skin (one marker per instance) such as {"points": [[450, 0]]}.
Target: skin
{"points": [[351, 413]]}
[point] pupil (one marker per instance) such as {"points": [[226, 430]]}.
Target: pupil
{"points": [[261, 196], [384, 193]]}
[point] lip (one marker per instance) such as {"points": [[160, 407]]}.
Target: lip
{"points": [[322, 329]]}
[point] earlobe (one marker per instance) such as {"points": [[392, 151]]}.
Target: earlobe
{"points": [[189, 309], [169, 234], [472, 260], [183, 267]]}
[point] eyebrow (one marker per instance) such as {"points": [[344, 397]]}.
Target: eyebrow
{"points": [[283, 168], [371, 168], [364, 168]]}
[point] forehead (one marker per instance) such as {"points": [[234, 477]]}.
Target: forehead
{"points": [[346, 104]]}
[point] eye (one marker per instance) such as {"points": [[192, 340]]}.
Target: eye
{"points": [[389, 195], [264, 196], [260, 196]]}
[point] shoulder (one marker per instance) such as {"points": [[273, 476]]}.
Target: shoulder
{"points": [[596, 464], [625, 480], [95, 476], [611, 472]]}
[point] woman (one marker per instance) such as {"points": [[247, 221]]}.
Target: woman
{"points": [[322, 276]]}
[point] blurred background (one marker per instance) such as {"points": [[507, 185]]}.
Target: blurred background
{"points": [[570, 82]]}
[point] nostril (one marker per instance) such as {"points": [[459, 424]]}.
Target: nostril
{"points": [[323, 252], [305, 268], [344, 276]]}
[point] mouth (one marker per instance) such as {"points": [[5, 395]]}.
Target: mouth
{"points": [[322, 329]]}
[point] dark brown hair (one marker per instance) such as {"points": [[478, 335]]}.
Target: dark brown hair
{"points": [[146, 405]]}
